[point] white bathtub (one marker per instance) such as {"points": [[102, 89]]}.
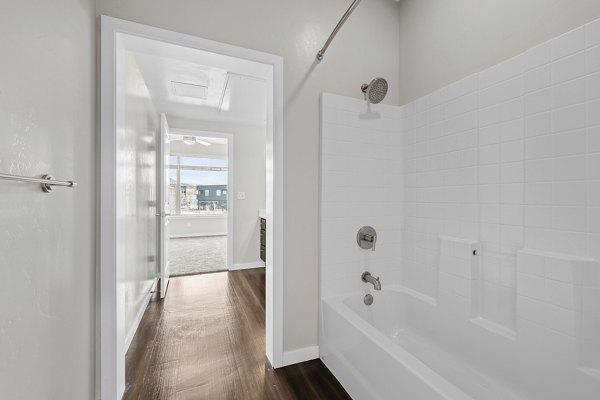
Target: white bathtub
{"points": [[406, 347]]}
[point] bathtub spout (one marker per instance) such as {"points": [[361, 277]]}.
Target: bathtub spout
{"points": [[368, 278]]}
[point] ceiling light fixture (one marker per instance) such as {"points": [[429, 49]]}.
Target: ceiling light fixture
{"points": [[190, 140]]}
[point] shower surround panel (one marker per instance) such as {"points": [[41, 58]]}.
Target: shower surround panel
{"points": [[508, 157], [499, 186]]}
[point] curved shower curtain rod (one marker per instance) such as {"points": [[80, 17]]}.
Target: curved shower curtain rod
{"points": [[339, 25]]}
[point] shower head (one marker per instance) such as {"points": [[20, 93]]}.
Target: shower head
{"points": [[375, 91]]}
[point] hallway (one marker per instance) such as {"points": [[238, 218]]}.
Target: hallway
{"points": [[206, 341]]}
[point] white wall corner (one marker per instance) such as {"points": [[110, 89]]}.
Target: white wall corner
{"points": [[300, 355]]}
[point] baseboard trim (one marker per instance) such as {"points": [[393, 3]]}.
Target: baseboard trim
{"points": [[140, 315], [236, 267], [192, 235], [300, 355]]}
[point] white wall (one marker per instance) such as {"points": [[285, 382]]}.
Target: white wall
{"points": [[47, 100], [197, 149], [444, 41], [249, 176], [137, 131], [365, 48], [193, 226], [361, 184]]}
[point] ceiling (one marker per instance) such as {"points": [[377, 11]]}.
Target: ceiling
{"points": [[221, 88], [177, 135]]}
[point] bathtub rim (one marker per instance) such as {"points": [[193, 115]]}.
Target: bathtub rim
{"points": [[418, 368]]}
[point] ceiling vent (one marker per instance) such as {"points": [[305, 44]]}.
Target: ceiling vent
{"points": [[190, 90]]}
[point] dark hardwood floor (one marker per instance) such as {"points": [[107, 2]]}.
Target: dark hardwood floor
{"points": [[206, 340]]}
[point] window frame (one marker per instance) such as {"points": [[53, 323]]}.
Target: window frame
{"points": [[178, 168]]}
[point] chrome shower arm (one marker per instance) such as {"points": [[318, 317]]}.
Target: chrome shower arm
{"points": [[339, 25]]}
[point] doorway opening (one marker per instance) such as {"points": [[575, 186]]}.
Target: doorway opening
{"points": [[199, 200], [171, 100]]}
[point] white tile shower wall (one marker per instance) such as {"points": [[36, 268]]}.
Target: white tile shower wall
{"points": [[509, 157], [458, 275], [360, 185], [561, 294], [441, 176]]}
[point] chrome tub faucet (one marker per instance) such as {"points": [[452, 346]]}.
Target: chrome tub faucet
{"points": [[368, 278]]}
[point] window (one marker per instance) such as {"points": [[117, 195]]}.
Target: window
{"points": [[192, 180]]}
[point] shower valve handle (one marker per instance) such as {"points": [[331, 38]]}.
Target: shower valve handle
{"points": [[370, 238], [366, 238]]}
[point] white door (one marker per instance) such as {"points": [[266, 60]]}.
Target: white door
{"points": [[164, 152]]}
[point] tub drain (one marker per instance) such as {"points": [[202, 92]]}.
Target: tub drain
{"points": [[368, 299]]}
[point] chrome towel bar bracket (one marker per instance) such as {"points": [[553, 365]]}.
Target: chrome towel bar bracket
{"points": [[47, 182]]}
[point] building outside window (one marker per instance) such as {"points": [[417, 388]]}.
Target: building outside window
{"points": [[216, 202], [198, 185]]}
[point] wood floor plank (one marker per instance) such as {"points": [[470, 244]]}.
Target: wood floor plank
{"points": [[206, 340]]}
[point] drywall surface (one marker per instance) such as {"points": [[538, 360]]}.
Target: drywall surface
{"points": [[194, 226], [47, 290], [197, 149], [444, 41], [365, 48], [249, 176], [137, 131]]}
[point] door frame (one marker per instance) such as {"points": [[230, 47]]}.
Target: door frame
{"points": [[111, 297], [230, 182], [161, 193]]}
